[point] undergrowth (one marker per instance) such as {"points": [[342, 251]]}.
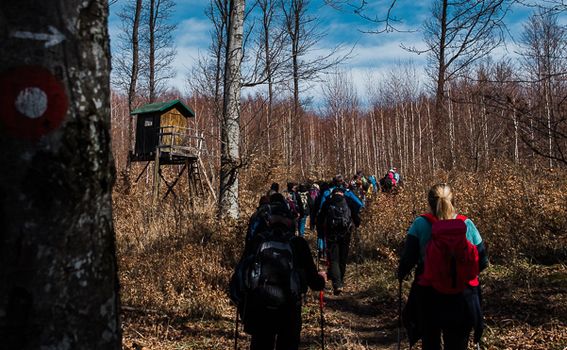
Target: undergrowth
{"points": [[175, 260]]}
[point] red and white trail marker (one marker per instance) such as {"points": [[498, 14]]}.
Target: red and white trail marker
{"points": [[32, 102]]}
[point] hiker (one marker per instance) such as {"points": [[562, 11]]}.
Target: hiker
{"points": [[372, 180], [389, 182], [315, 196], [338, 218], [294, 202], [304, 197], [359, 185], [445, 296], [397, 176], [275, 269], [274, 188], [291, 204], [258, 220], [338, 181], [354, 202], [318, 225]]}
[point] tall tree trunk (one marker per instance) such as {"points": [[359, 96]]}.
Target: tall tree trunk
{"points": [[548, 114], [420, 142], [441, 68], [267, 11], [58, 274], [412, 124], [431, 139], [230, 131], [384, 147], [133, 80], [451, 118], [152, 53], [374, 141], [486, 146], [135, 61], [516, 133]]}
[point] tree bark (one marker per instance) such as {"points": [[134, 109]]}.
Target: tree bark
{"points": [[230, 133], [152, 51], [135, 61], [58, 280], [133, 80]]}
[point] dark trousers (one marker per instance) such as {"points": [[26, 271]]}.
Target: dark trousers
{"points": [[279, 330], [338, 247], [454, 337], [446, 315]]}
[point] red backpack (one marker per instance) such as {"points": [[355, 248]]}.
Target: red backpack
{"points": [[451, 261]]}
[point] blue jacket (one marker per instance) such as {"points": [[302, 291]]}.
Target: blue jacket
{"points": [[348, 194]]}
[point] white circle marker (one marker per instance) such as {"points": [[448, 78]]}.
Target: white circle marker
{"points": [[32, 102]]}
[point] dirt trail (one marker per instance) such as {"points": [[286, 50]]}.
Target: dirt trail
{"points": [[362, 317]]}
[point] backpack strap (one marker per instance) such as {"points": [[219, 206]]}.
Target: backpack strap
{"points": [[461, 217], [429, 217]]}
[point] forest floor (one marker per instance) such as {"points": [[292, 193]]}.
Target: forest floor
{"points": [[174, 268], [525, 308]]}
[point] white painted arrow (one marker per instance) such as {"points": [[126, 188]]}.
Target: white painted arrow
{"points": [[50, 39]]}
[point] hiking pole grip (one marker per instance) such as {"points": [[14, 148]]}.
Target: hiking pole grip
{"points": [[321, 305]]}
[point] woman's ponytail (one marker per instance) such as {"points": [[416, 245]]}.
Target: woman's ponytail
{"points": [[440, 200]]}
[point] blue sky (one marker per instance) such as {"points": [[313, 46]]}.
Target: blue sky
{"points": [[373, 54]]}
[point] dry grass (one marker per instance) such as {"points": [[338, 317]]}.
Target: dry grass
{"points": [[175, 263]]}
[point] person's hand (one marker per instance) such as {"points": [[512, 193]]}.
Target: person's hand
{"points": [[323, 274]]}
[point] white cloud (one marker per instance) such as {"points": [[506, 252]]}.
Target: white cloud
{"points": [[193, 32]]}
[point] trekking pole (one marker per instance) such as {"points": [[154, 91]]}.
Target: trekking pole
{"points": [[399, 315], [321, 305], [236, 331]]}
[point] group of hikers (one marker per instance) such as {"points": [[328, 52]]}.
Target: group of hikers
{"points": [[277, 268]]}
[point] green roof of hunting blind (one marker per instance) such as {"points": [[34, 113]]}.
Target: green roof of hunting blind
{"points": [[163, 107]]}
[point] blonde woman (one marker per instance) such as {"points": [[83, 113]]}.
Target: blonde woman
{"points": [[445, 297]]}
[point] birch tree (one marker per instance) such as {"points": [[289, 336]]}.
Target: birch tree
{"points": [[544, 55], [230, 129], [58, 280]]}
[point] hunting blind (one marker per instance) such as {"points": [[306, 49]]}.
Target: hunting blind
{"points": [[163, 136]]}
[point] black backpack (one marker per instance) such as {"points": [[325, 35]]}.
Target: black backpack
{"points": [[386, 183], [272, 280], [338, 218], [266, 277]]}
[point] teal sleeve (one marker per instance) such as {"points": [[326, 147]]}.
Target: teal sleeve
{"points": [[472, 233], [421, 228], [413, 230]]}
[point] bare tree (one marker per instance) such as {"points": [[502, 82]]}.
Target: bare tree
{"points": [[58, 280], [127, 59], [544, 55], [272, 41], [127, 63], [304, 35], [552, 7], [459, 34], [230, 130], [159, 50]]}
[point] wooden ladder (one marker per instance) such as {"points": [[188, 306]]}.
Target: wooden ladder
{"points": [[196, 187]]}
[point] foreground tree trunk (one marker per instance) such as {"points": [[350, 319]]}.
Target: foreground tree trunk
{"points": [[230, 130], [58, 282]]}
